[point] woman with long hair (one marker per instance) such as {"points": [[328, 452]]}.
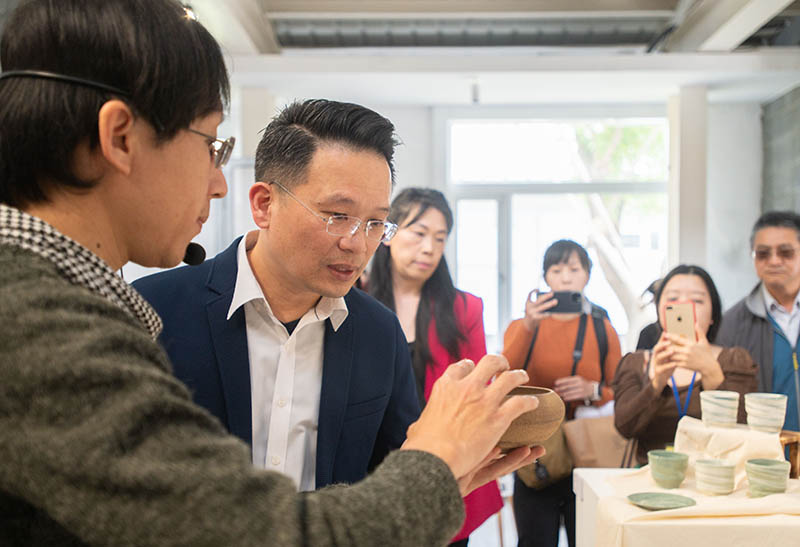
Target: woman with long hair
{"points": [[654, 389], [442, 324]]}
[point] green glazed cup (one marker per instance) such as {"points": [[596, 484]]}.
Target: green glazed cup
{"points": [[766, 476], [668, 468]]}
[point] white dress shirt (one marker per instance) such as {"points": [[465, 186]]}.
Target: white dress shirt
{"points": [[788, 321], [285, 377]]}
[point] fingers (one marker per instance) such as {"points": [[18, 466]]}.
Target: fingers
{"points": [[678, 340], [459, 370], [490, 365], [700, 336], [504, 465], [514, 406], [507, 381]]}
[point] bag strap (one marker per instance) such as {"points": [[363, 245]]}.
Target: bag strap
{"points": [[577, 353], [530, 348], [602, 340]]}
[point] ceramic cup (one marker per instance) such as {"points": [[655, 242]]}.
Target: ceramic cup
{"points": [[535, 426], [719, 408], [766, 476], [668, 468], [714, 476], [765, 411]]}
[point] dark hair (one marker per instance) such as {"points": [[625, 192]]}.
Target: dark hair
{"points": [[169, 67], [776, 219], [716, 303], [290, 140], [438, 292], [560, 251]]}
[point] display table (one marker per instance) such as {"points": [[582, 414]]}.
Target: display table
{"points": [[604, 516]]}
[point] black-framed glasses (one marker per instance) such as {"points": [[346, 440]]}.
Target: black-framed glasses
{"points": [[220, 150], [345, 225], [785, 252]]}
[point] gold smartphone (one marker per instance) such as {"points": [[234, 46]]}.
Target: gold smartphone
{"points": [[679, 318]]}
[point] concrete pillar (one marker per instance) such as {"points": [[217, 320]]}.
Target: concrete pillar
{"points": [[687, 114]]}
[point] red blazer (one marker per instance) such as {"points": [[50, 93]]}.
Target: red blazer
{"points": [[484, 501]]}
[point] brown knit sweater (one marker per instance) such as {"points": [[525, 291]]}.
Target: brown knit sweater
{"points": [[101, 445]]}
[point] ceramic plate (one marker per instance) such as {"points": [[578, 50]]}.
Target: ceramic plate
{"points": [[658, 501]]}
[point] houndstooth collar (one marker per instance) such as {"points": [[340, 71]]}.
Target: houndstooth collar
{"points": [[75, 263]]}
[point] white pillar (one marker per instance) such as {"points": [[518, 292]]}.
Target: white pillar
{"points": [[687, 177]]}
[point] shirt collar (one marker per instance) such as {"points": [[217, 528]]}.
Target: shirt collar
{"points": [[247, 289], [75, 263], [772, 303]]}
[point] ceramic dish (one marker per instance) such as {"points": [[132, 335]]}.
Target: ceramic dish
{"points": [[659, 501]]}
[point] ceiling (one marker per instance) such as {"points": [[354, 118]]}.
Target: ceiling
{"points": [[507, 51]]}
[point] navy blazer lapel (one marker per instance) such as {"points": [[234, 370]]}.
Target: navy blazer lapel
{"points": [[336, 367], [229, 338]]}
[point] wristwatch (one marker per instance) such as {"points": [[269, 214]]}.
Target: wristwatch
{"points": [[595, 394]]}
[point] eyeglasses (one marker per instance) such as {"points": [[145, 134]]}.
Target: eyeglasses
{"points": [[220, 150], [344, 225], [764, 253]]}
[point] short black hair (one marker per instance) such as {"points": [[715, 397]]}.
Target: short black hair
{"points": [[776, 219], [290, 140], [559, 253], [716, 302], [169, 67]]}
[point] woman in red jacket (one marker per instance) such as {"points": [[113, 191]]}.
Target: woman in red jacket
{"points": [[442, 324]]}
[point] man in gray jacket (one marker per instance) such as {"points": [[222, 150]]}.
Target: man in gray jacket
{"points": [[767, 321], [108, 153]]}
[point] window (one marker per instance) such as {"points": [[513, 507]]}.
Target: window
{"points": [[519, 183]]}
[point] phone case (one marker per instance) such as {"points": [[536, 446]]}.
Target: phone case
{"points": [[679, 318]]}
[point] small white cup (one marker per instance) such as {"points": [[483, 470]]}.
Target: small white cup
{"points": [[714, 476], [765, 411], [719, 408]]}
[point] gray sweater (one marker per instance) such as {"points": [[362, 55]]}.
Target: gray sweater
{"points": [[101, 445]]}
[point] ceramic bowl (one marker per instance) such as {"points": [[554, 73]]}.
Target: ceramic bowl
{"points": [[714, 476], [766, 476], [535, 426], [719, 408], [765, 411], [667, 467]]}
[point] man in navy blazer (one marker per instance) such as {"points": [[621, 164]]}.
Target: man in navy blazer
{"points": [[269, 335]]}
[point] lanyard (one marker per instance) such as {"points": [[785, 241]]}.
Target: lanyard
{"points": [[682, 411]]}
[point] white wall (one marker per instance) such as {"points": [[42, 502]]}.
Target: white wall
{"points": [[733, 200], [413, 158]]}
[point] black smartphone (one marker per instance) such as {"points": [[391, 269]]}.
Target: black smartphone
{"points": [[568, 302]]}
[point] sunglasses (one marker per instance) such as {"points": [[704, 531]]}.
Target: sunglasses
{"points": [[765, 253]]}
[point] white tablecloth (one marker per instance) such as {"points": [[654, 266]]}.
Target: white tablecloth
{"points": [[605, 517]]}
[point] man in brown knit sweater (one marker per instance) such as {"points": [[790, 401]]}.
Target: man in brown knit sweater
{"points": [[108, 154]]}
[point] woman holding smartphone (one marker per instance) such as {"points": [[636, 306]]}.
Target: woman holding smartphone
{"points": [[654, 389], [546, 342], [442, 324]]}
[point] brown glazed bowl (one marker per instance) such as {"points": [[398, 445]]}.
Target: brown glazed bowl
{"points": [[536, 426]]}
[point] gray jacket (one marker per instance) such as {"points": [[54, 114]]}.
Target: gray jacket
{"points": [[746, 325], [101, 445]]}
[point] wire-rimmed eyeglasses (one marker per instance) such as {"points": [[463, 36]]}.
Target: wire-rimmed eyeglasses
{"points": [[345, 225], [221, 150]]}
